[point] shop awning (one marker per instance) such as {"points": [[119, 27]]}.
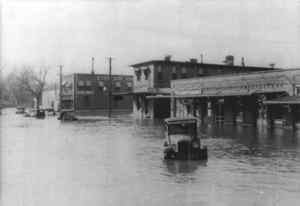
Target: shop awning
{"points": [[121, 93], [209, 95], [284, 100], [158, 97], [219, 94]]}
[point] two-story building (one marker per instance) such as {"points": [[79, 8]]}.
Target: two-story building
{"points": [[88, 94], [152, 81]]}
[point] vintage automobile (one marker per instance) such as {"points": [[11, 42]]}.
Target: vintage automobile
{"points": [[20, 110], [40, 114], [182, 141]]}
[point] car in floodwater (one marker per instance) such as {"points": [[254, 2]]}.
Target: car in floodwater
{"points": [[20, 110], [30, 112], [182, 141]]}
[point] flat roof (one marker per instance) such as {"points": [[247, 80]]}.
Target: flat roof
{"points": [[236, 74], [89, 74], [217, 66]]}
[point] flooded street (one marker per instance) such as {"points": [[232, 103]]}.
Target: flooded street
{"points": [[119, 162]]}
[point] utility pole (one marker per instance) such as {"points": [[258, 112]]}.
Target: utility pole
{"points": [[93, 71], [109, 88], [60, 87]]}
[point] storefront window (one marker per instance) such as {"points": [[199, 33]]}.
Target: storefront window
{"points": [[80, 83], [88, 83], [129, 84]]}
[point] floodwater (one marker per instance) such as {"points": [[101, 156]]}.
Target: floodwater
{"points": [[119, 162]]}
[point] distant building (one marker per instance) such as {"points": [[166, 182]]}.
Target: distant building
{"points": [[50, 98], [88, 94], [152, 81]]}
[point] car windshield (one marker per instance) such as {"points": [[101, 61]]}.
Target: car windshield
{"points": [[188, 129], [177, 137]]}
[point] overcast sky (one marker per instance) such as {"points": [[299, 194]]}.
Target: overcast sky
{"points": [[70, 32]]}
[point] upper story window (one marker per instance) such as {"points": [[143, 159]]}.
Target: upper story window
{"points": [[88, 83], [159, 69], [174, 69], [118, 84], [80, 83], [129, 84], [138, 74], [200, 72], [101, 84], [159, 73], [147, 73], [298, 91], [174, 72], [183, 72]]}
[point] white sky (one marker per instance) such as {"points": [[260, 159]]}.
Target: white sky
{"points": [[70, 32]]}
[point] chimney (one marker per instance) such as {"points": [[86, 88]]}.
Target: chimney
{"points": [[272, 65], [229, 60], [168, 58], [193, 60]]}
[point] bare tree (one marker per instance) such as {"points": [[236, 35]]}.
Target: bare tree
{"points": [[34, 82], [13, 91]]}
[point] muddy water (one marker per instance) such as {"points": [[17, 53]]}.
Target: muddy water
{"points": [[119, 162]]}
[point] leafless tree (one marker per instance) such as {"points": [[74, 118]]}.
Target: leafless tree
{"points": [[33, 82], [13, 91]]}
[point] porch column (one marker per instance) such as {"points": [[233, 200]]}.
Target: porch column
{"points": [[270, 115], [289, 116], [173, 106], [250, 110], [210, 111], [229, 110]]}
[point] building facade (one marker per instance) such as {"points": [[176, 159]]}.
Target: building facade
{"points": [[88, 94], [152, 81], [266, 97], [50, 98]]}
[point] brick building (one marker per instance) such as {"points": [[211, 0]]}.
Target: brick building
{"points": [[152, 81], [88, 94]]}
